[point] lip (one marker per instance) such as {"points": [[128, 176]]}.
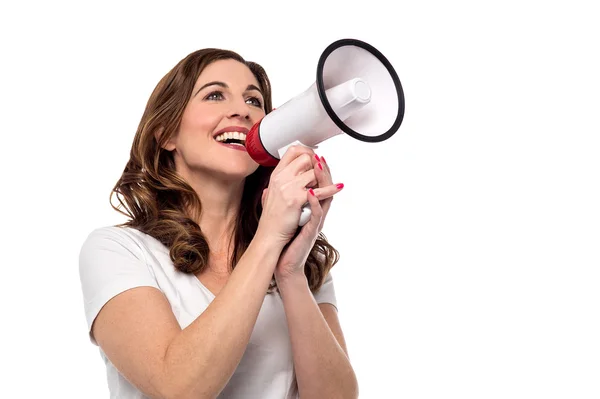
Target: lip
{"points": [[235, 147], [232, 129]]}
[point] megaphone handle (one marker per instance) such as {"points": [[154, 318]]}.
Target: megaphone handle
{"points": [[283, 150], [305, 215]]}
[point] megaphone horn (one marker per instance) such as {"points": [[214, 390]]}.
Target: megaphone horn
{"points": [[357, 92]]}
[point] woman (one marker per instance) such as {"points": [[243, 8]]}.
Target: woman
{"points": [[211, 289]]}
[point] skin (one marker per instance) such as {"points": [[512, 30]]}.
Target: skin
{"points": [[137, 329], [216, 172]]}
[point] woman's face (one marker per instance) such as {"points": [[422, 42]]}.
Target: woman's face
{"points": [[226, 99]]}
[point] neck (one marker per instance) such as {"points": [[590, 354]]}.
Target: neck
{"points": [[220, 203]]}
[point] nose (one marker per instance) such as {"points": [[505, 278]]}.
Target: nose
{"points": [[239, 109]]}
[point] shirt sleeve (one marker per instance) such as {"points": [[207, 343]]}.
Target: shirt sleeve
{"points": [[110, 262], [326, 294]]}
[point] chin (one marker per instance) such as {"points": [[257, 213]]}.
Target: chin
{"points": [[252, 170], [238, 171]]}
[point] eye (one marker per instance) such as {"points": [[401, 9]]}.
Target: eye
{"points": [[214, 96], [255, 101]]}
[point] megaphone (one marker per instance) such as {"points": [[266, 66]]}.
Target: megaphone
{"points": [[357, 92]]}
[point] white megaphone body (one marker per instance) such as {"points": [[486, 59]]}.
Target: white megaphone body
{"points": [[357, 92]]}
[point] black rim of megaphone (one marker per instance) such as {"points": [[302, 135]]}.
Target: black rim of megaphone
{"points": [[321, 90]]}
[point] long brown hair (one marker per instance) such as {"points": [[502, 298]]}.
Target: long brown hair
{"points": [[160, 203]]}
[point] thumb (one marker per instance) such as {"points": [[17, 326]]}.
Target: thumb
{"points": [[316, 211]]}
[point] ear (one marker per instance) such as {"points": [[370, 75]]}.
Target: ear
{"points": [[170, 145]]}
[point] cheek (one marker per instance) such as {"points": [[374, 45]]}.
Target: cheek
{"points": [[258, 114], [198, 123]]}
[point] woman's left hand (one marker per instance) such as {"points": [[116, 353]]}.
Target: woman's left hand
{"points": [[293, 257]]}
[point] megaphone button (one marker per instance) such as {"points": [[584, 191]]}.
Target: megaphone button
{"points": [[362, 91]]}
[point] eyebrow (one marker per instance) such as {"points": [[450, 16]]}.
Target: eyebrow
{"points": [[224, 85]]}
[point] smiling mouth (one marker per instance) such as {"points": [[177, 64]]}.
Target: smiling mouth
{"points": [[232, 138]]}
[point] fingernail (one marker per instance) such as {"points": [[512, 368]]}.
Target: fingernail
{"points": [[320, 166], [312, 192], [340, 186], [317, 157], [323, 159]]}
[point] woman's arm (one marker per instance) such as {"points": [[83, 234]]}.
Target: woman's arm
{"points": [[141, 337], [323, 369]]}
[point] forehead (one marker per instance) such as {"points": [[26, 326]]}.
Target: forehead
{"points": [[232, 72]]}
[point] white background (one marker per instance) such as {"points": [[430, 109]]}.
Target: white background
{"points": [[469, 240]]}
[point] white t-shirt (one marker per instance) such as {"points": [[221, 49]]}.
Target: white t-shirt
{"points": [[115, 259]]}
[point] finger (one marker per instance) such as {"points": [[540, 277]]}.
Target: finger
{"points": [[264, 195], [323, 173], [302, 163], [291, 154], [298, 166], [316, 216], [325, 196], [306, 179], [328, 191], [325, 164], [297, 188]]}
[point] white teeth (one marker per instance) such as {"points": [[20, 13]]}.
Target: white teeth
{"points": [[231, 135]]}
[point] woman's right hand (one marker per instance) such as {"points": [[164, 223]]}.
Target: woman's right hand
{"points": [[287, 193]]}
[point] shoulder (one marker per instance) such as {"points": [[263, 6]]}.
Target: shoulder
{"points": [[110, 236], [122, 234], [120, 240], [111, 257]]}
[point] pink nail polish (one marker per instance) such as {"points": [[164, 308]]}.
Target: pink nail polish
{"points": [[317, 157], [312, 192], [323, 159], [340, 186], [320, 166]]}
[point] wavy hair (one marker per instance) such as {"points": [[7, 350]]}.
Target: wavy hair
{"points": [[160, 203]]}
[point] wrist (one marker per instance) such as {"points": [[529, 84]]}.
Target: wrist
{"points": [[268, 239], [266, 248], [291, 281]]}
